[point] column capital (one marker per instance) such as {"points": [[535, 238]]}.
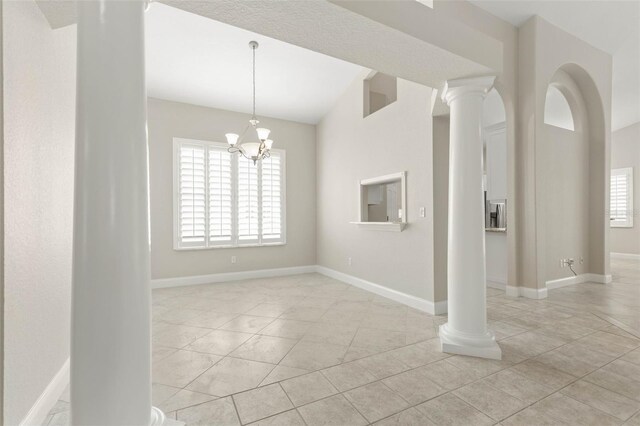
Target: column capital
{"points": [[475, 85]]}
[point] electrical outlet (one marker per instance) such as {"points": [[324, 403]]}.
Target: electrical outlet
{"points": [[234, 259], [423, 212], [349, 261], [570, 262]]}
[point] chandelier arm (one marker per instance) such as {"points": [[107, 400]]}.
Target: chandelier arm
{"points": [[244, 132]]}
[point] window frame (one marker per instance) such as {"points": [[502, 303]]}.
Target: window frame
{"points": [[628, 222], [235, 241]]}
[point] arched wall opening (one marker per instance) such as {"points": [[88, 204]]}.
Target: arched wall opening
{"points": [[575, 193]]}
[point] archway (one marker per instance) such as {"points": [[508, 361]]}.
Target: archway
{"points": [[575, 180]]}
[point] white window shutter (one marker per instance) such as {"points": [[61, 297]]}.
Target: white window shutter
{"points": [[272, 198], [220, 201], [621, 204], [192, 196], [247, 219]]}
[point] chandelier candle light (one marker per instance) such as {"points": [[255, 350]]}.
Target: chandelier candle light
{"points": [[251, 150]]}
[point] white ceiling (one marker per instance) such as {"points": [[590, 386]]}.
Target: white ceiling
{"points": [[196, 60], [612, 26]]}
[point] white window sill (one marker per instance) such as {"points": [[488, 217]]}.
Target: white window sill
{"points": [[382, 226], [230, 246]]}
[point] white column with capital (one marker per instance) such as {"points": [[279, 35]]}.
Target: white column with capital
{"points": [[466, 331], [111, 293]]}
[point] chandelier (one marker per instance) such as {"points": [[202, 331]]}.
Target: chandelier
{"points": [[251, 150]]}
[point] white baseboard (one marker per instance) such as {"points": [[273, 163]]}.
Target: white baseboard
{"points": [[48, 398], [630, 256], [231, 276], [529, 293], [578, 279], [424, 305]]}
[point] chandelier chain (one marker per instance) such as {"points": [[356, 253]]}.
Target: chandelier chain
{"points": [[254, 82]]}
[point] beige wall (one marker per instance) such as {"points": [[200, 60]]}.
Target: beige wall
{"points": [[545, 49], [625, 152], [394, 139], [167, 120], [39, 117]]}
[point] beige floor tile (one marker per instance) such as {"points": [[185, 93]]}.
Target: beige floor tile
{"points": [[264, 348], [543, 374], [532, 343], [479, 366], [574, 359], [448, 375], [633, 421], [383, 365], [633, 357], [491, 401], [414, 386], [218, 412], [530, 417], [303, 313], [219, 342], [178, 336], [61, 419], [184, 399], [332, 411], [449, 410], [348, 376], [210, 320], [336, 334], [160, 393], [376, 401], [160, 352], [518, 386], [308, 388], [271, 310], [180, 368], [247, 324], [281, 373], [179, 316], [624, 368], [291, 329], [356, 352], [314, 356], [419, 354], [574, 412], [604, 400], [408, 417], [262, 402], [288, 418], [231, 375], [503, 330], [379, 339], [615, 382]]}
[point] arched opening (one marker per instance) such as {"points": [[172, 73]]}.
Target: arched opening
{"points": [[575, 190]]}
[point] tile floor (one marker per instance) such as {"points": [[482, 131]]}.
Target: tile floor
{"points": [[309, 350]]}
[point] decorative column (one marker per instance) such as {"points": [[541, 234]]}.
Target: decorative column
{"points": [[111, 294], [466, 331]]}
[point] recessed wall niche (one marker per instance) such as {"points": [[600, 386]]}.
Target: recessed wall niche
{"points": [[379, 91]]}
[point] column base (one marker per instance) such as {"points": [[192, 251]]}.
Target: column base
{"points": [[157, 417], [478, 345]]}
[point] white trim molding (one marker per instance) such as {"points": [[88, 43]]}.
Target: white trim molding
{"points": [[437, 308], [48, 398], [578, 279], [630, 256], [529, 293], [231, 276]]}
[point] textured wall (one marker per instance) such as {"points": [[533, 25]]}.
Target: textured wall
{"points": [[171, 119], [39, 89]]}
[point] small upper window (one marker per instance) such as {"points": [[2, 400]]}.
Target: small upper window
{"points": [[621, 206], [557, 111], [380, 90]]}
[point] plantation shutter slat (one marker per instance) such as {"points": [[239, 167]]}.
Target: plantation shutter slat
{"points": [[192, 203], [621, 203], [247, 201], [220, 201], [272, 198]]}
